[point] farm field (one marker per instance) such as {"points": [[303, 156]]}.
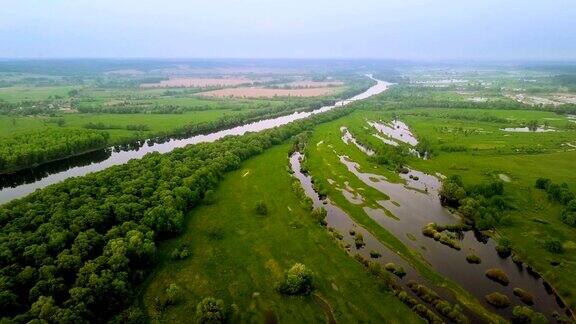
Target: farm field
{"points": [[124, 114], [255, 92], [197, 82]]}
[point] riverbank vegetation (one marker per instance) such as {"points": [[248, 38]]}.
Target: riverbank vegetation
{"points": [[86, 243], [221, 231]]}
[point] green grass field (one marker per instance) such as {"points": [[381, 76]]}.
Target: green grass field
{"points": [[239, 256], [489, 152]]}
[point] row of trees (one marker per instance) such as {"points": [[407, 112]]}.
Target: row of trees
{"points": [[75, 251], [36, 147]]}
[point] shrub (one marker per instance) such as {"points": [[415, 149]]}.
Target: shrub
{"points": [[172, 294], [524, 296], [452, 191], [542, 183], [568, 215], [211, 310], [297, 281], [429, 230], [525, 314], [504, 247], [319, 216], [261, 208], [473, 258], [359, 241], [426, 313], [498, 300], [553, 245], [498, 275], [395, 269], [180, 253]]}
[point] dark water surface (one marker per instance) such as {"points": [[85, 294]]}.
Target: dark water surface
{"points": [[22, 183]]}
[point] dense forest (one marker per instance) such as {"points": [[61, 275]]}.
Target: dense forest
{"points": [[75, 251], [32, 148]]}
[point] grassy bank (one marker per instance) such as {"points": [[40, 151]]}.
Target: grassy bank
{"points": [[239, 256]]}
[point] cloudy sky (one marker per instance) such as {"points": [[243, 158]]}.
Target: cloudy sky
{"points": [[398, 29]]}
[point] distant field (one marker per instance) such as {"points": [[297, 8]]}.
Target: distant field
{"points": [[198, 82], [258, 92], [11, 126], [470, 143], [23, 93], [315, 84]]}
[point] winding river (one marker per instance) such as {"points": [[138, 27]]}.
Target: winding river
{"points": [[22, 183]]}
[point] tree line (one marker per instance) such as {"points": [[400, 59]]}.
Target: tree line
{"points": [[76, 251], [37, 147]]}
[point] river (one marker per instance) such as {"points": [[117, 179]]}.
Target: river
{"points": [[25, 182]]}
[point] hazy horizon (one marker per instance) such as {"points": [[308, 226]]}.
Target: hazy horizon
{"points": [[256, 29]]}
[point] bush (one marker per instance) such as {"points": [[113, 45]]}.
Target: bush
{"points": [[498, 300], [211, 310], [498, 275], [452, 191], [553, 246], [375, 254], [524, 296], [542, 183], [568, 215], [359, 241], [297, 281], [180, 253], [395, 269], [473, 258], [319, 216], [504, 247], [173, 294], [525, 314], [261, 208]]}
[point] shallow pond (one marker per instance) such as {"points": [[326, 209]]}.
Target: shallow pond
{"points": [[22, 183]]}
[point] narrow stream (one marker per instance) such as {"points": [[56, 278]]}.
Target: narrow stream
{"points": [[20, 184], [416, 204]]}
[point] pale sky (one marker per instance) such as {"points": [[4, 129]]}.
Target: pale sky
{"points": [[394, 29]]}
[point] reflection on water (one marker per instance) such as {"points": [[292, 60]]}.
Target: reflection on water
{"points": [[21, 186], [416, 204], [396, 130]]}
